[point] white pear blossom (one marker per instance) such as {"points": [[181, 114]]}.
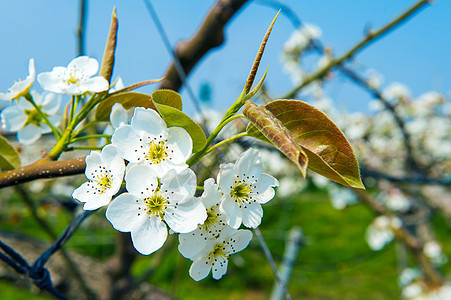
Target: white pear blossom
{"points": [[245, 188], [105, 171], [341, 197], [22, 87], [119, 116], [148, 141], [216, 253], [191, 243], [76, 79], [397, 91], [23, 118], [152, 202], [433, 250], [380, 232]]}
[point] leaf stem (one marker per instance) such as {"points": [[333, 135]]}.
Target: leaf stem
{"points": [[223, 142], [56, 131], [87, 137]]}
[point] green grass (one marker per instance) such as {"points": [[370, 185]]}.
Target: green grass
{"points": [[334, 262]]}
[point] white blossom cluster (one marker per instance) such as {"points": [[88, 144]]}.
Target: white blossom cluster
{"points": [[160, 192], [26, 115]]}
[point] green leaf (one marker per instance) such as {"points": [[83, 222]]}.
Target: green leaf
{"points": [[174, 117], [329, 152], [9, 158], [127, 99], [266, 127], [168, 97], [106, 68]]}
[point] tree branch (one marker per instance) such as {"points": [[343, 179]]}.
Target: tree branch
{"points": [[43, 168], [370, 37], [208, 36]]}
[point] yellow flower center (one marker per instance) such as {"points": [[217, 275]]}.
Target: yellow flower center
{"points": [[156, 204], [104, 182], [157, 152], [240, 191], [219, 252], [33, 117], [72, 79], [212, 219]]}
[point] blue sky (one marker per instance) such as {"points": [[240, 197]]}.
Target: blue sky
{"points": [[416, 54]]}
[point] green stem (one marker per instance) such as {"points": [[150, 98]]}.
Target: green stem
{"points": [[229, 116], [221, 143], [55, 130], [89, 125], [87, 137], [370, 37]]}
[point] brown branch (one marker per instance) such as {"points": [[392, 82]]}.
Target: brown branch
{"points": [[210, 35], [43, 168]]}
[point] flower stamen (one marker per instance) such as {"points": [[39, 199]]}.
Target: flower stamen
{"points": [[157, 152], [156, 204]]}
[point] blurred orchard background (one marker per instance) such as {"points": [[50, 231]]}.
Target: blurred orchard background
{"points": [[391, 98]]}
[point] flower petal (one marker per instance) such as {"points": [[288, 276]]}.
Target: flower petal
{"points": [[124, 213], [126, 139], [185, 217], [94, 85], [118, 115], [242, 239], [191, 244], [211, 195], [93, 161], [50, 103], [264, 188], [183, 182], [150, 236], [50, 81], [180, 142], [248, 165], [233, 212], [200, 269], [29, 134], [148, 120], [13, 118], [89, 66], [252, 215], [226, 177], [140, 179], [219, 267]]}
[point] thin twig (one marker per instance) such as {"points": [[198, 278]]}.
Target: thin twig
{"points": [[81, 28], [272, 262], [370, 37]]}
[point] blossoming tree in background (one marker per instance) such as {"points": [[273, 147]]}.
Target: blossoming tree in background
{"points": [[155, 173]]}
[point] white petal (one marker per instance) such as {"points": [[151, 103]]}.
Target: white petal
{"points": [[13, 118], [219, 268], [126, 140], [149, 121], [264, 188], [249, 165], [150, 236], [124, 213], [191, 244], [233, 211], [226, 177], [29, 134], [87, 65], [211, 195], [94, 85], [184, 182], [200, 269], [141, 178], [118, 115], [186, 217], [51, 81], [180, 142], [252, 215], [242, 239], [51, 103], [85, 193], [93, 161], [24, 104]]}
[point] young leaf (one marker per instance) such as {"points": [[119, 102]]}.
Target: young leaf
{"points": [[9, 158], [174, 117], [329, 152], [168, 97], [106, 68], [127, 99], [271, 130]]}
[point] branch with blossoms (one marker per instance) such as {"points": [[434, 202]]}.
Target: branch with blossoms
{"points": [[142, 173]]}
